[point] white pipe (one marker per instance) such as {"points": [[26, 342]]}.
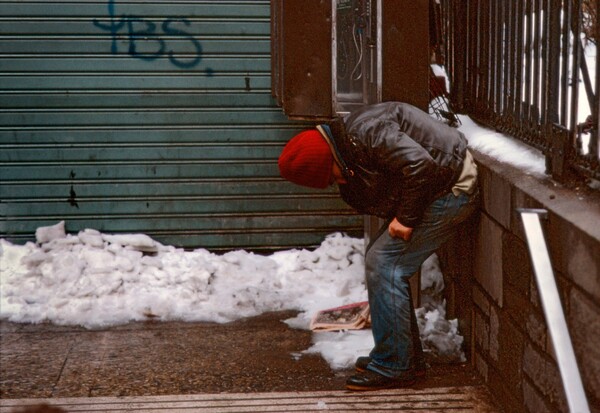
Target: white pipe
{"points": [[555, 316]]}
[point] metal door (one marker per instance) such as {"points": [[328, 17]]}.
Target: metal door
{"points": [[153, 117]]}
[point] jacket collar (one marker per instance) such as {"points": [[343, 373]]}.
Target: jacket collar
{"points": [[325, 131]]}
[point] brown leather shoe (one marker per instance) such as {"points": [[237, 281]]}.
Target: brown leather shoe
{"points": [[369, 380], [362, 362]]}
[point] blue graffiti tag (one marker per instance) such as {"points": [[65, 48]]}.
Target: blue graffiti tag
{"points": [[166, 27], [140, 30], [113, 27], [146, 33]]}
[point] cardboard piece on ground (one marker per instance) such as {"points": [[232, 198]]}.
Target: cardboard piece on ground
{"points": [[353, 316]]}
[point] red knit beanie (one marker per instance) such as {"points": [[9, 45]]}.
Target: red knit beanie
{"points": [[307, 160]]}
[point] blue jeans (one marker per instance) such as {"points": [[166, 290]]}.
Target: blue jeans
{"points": [[390, 262]]}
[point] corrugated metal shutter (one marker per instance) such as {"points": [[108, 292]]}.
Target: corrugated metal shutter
{"points": [[149, 116]]}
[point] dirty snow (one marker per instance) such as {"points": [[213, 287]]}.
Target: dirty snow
{"points": [[99, 280]]}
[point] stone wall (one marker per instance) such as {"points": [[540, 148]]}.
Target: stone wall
{"points": [[492, 288]]}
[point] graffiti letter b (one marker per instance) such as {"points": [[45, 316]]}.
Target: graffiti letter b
{"points": [[145, 34]]}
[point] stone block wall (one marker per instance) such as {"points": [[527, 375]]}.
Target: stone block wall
{"points": [[492, 288]]}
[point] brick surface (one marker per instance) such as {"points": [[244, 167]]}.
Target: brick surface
{"points": [[494, 333], [583, 262], [496, 196], [481, 366], [481, 301], [533, 400], [555, 228], [554, 387], [488, 259], [545, 377], [511, 343], [584, 323], [482, 332], [510, 397], [516, 261], [534, 366], [536, 329], [517, 306]]}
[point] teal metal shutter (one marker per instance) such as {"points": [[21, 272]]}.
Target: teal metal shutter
{"points": [[152, 117]]}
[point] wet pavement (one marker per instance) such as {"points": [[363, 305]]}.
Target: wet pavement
{"points": [[155, 358]]}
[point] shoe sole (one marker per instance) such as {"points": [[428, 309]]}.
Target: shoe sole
{"points": [[394, 385], [417, 374]]}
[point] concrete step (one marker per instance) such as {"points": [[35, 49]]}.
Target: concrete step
{"points": [[439, 399]]}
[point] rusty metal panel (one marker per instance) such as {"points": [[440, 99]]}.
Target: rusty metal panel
{"points": [[405, 51], [276, 48], [307, 58]]}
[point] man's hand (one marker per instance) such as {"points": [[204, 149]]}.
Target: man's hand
{"points": [[397, 230]]}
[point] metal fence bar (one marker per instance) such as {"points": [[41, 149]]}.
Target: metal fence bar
{"points": [[565, 17], [543, 39], [537, 62], [552, 89], [593, 158], [577, 54], [520, 16], [553, 311]]}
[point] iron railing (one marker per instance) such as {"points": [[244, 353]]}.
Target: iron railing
{"points": [[527, 68]]}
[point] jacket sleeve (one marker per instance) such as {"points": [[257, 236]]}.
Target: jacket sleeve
{"points": [[406, 163]]}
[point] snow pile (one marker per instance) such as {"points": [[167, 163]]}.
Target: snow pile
{"points": [[98, 280], [504, 148], [439, 336]]}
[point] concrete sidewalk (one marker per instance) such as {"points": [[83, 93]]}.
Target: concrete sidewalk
{"points": [[241, 362]]}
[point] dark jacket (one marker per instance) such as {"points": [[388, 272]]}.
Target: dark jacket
{"points": [[396, 159]]}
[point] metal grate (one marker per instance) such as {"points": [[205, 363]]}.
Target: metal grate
{"points": [[520, 67]]}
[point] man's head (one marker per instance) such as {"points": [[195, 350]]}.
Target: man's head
{"points": [[307, 160]]}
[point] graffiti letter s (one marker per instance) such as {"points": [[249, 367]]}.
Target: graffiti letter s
{"points": [[169, 30]]}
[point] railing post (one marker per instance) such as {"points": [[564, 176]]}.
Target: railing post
{"points": [[552, 87], [560, 137], [595, 134], [459, 15]]}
